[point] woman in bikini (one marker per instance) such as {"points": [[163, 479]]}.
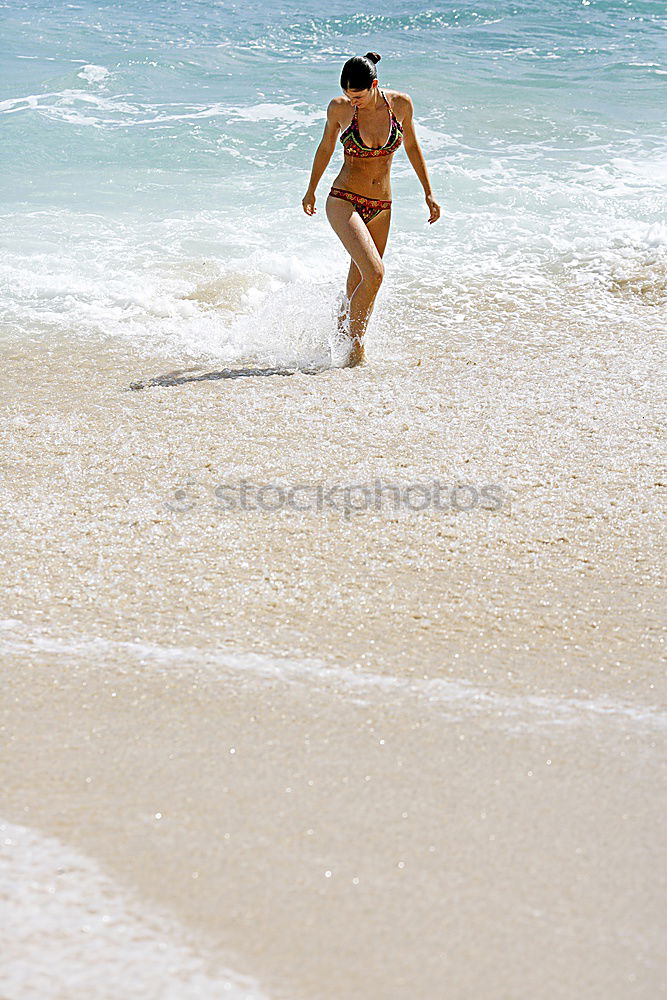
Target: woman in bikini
{"points": [[359, 203]]}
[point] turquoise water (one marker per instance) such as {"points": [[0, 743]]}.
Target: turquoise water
{"points": [[155, 156]]}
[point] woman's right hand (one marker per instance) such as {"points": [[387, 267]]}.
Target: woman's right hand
{"points": [[308, 202]]}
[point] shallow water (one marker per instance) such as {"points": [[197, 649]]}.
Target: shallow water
{"points": [[69, 932], [155, 161]]}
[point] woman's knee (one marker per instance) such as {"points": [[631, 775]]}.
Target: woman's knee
{"points": [[373, 275], [372, 271]]}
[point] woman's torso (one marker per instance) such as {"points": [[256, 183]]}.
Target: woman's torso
{"points": [[368, 147]]}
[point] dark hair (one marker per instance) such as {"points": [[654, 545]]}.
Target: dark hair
{"points": [[359, 72]]}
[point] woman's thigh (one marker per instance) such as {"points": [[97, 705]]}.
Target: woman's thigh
{"points": [[355, 236], [379, 232]]}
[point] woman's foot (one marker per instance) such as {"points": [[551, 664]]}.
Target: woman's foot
{"points": [[355, 357]]}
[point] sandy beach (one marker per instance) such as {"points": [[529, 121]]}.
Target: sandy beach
{"points": [[324, 683], [382, 753]]}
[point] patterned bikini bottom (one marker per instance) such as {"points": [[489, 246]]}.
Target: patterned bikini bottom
{"points": [[367, 208]]}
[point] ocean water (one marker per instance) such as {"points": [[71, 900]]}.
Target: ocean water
{"points": [[155, 155]]}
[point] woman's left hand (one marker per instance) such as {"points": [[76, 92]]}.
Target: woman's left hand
{"points": [[434, 208]]}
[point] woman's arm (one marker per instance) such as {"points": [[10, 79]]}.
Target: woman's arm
{"points": [[416, 157], [323, 154]]}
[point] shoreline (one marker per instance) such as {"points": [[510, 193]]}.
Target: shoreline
{"points": [[432, 830]]}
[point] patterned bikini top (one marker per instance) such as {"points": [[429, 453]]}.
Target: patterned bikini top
{"points": [[353, 146]]}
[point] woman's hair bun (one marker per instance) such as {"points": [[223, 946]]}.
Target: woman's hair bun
{"points": [[373, 56]]}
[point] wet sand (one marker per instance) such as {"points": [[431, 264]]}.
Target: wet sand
{"points": [[398, 754], [334, 848]]}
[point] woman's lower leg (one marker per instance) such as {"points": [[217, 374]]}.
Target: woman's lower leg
{"points": [[353, 279], [361, 307]]}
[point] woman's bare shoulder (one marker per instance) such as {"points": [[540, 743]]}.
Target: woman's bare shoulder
{"points": [[401, 101], [340, 110], [402, 106]]}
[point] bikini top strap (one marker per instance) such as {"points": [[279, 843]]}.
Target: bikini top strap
{"points": [[391, 110]]}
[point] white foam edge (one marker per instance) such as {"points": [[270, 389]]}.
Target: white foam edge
{"points": [[458, 698], [69, 931]]}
